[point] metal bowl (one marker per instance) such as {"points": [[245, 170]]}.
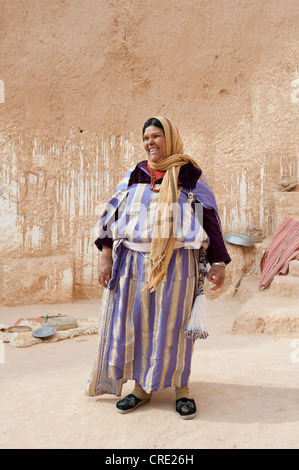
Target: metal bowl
{"points": [[238, 239], [44, 332]]}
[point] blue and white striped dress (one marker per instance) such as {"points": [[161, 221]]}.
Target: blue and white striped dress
{"points": [[141, 333]]}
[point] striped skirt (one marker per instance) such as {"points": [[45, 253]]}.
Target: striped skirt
{"points": [[141, 333]]}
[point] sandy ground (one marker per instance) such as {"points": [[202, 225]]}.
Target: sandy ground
{"points": [[245, 386]]}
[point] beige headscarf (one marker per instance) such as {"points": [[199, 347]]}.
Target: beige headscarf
{"points": [[162, 244]]}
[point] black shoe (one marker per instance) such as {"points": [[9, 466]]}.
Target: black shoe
{"points": [[186, 407], [130, 403]]}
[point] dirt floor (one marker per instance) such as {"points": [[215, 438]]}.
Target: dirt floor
{"points": [[245, 386]]}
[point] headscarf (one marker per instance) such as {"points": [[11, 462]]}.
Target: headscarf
{"points": [[162, 244]]}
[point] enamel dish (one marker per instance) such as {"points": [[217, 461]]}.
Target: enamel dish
{"points": [[238, 239], [44, 332]]}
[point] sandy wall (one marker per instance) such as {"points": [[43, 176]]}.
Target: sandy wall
{"points": [[78, 78]]}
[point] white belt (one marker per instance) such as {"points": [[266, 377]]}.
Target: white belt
{"points": [[146, 247]]}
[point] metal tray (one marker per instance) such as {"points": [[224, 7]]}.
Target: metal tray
{"points": [[238, 239], [44, 332]]}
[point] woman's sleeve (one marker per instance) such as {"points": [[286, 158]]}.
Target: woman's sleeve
{"points": [[216, 251], [111, 213]]}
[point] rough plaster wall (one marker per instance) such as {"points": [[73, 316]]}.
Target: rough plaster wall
{"points": [[80, 79]]}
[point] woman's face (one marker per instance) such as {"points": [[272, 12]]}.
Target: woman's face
{"points": [[154, 144]]}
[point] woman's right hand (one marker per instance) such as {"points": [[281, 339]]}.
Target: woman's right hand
{"points": [[105, 266]]}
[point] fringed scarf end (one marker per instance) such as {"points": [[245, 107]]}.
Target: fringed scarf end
{"points": [[197, 327]]}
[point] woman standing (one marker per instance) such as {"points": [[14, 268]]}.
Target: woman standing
{"points": [[150, 237]]}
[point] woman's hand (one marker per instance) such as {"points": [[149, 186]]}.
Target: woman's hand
{"points": [[216, 275], [105, 266]]}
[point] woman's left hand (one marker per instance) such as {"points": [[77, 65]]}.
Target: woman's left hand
{"points": [[216, 275]]}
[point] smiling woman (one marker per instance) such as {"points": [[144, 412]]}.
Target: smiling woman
{"points": [[153, 271], [154, 140]]}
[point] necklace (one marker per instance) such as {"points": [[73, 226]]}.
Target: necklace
{"points": [[153, 180]]}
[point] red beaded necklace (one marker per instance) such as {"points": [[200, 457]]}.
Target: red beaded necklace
{"points": [[155, 175]]}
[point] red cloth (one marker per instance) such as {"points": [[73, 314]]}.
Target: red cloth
{"points": [[158, 174], [283, 248]]}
